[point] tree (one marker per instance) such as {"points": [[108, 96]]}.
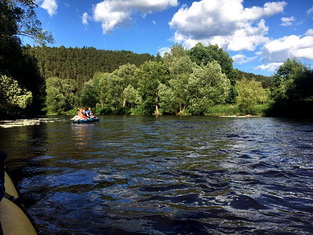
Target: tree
{"points": [[114, 93], [250, 93], [207, 86], [293, 89], [291, 81], [102, 87], [166, 99], [131, 96], [150, 74], [60, 95], [176, 51], [88, 96], [18, 18], [180, 69], [202, 55], [81, 64], [12, 95]]}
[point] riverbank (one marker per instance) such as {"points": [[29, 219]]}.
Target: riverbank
{"points": [[259, 110]]}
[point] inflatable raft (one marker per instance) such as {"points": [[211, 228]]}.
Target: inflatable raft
{"points": [[13, 218], [84, 120]]}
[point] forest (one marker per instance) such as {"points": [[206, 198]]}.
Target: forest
{"points": [[80, 64], [182, 82], [199, 81]]}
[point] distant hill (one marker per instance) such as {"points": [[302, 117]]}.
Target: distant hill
{"points": [[81, 64]]}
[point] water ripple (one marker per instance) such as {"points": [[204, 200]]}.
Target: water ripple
{"points": [[170, 175]]}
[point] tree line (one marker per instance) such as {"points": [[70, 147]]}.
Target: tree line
{"points": [[198, 81]]}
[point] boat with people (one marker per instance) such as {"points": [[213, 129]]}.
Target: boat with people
{"points": [[85, 116], [13, 216], [78, 119]]}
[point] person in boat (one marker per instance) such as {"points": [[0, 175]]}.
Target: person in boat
{"points": [[82, 113], [89, 113]]}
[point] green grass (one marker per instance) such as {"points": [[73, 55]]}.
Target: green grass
{"points": [[223, 110], [234, 109]]}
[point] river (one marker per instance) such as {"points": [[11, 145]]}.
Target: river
{"points": [[165, 175]]}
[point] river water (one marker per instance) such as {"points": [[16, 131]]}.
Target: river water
{"points": [[165, 175]]}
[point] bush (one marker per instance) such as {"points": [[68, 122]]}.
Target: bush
{"points": [[223, 110], [72, 112]]}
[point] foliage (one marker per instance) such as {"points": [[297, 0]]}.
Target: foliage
{"points": [[207, 86], [88, 96], [172, 85], [173, 96], [223, 110], [267, 82], [60, 95], [150, 75], [202, 55], [18, 18], [293, 90], [80, 64], [235, 110], [250, 93], [131, 96], [12, 95]]}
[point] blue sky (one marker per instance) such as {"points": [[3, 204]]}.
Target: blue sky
{"points": [[259, 35]]}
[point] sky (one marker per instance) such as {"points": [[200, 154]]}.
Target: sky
{"points": [[258, 35]]}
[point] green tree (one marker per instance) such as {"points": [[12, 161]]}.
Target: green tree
{"points": [[289, 81], [81, 64], [166, 99], [250, 93], [180, 69], [18, 18], [293, 89], [207, 86], [150, 74], [126, 75], [114, 93], [60, 95], [12, 95], [91, 94], [176, 51], [202, 55], [102, 88], [131, 96]]}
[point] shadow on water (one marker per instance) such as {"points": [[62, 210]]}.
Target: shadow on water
{"points": [[166, 175]]}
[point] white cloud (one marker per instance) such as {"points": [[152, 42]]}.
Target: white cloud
{"points": [[288, 47], [269, 67], [287, 21], [223, 22], [85, 18], [50, 5], [309, 32], [164, 50], [242, 59], [310, 11], [116, 13]]}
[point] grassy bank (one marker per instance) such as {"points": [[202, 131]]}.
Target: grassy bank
{"points": [[236, 110], [218, 110]]}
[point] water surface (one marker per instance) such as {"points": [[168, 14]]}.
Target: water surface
{"points": [[166, 175]]}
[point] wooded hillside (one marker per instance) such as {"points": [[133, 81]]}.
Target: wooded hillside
{"points": [[80, 64]]}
